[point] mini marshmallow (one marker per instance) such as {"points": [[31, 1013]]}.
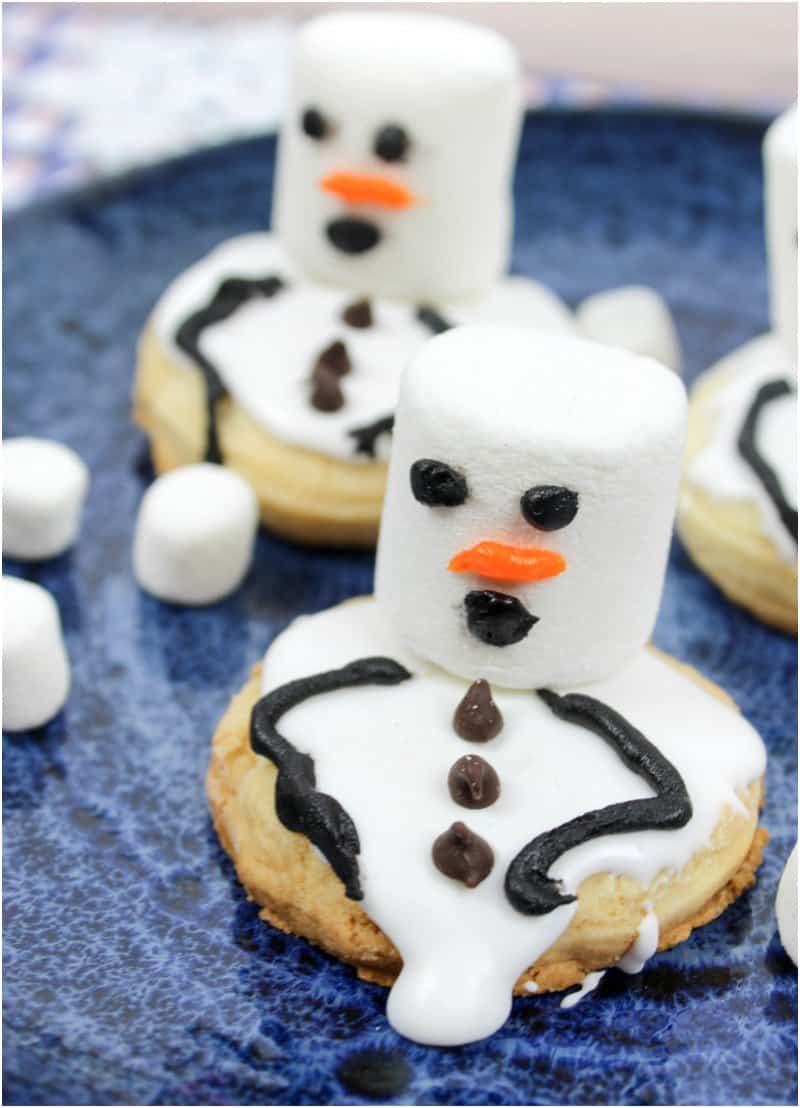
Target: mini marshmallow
{"points": [[634, 318], [786, 907], [395, 160], [44, 488], [195, 534], [780, 203], [35, 664], [544, 471]]}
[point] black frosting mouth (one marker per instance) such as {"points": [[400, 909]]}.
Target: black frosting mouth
{"points": [[353, 236], [496, 618]]}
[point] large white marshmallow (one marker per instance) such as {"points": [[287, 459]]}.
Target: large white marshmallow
{"points": [[635, 318], [44, 487], [35, 664], [509, 411], [786, 906], [780, 203], [195, 534], [454, 89]]}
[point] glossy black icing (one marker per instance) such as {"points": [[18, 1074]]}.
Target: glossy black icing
{"points": [[549, 507], [299, 806], [353, 236], [437, 484], [433, 320], [392, 143], [746, 443], [528, 886], [496, 618], [229, 297], [366, 437]]}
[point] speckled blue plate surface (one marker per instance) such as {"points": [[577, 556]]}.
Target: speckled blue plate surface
{"points": [[135, 970]]}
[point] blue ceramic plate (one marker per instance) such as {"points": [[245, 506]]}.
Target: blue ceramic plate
{"points": [[135, 970]]}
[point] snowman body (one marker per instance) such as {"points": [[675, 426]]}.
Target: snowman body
{"points": [[524, 539], [385, 755], [752, 453], [265, 352]]}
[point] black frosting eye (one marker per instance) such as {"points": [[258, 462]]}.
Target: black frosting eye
{"points": [[314, 124], [549, 507], [392, 143], [435, 483]]}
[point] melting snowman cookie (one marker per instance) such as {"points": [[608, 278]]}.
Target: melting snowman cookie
{"points": [[393, 222], [738, 509], [420, 793]]}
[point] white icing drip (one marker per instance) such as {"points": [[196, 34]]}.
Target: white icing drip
{"points": [[390, 776], [531, 987], [588, 985], [719, 468], [786, 906], [644, 945], [265, 351]]}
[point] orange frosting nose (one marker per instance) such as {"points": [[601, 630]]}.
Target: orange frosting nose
{"points": [[363, 188], [508, 563]]}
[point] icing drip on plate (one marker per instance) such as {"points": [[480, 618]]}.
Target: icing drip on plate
{"points": [[724, 470], [551, 771]]}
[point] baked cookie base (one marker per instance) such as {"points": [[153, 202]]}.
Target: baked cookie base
{"points": [[302, 495], [299, 893], [725, 538]]}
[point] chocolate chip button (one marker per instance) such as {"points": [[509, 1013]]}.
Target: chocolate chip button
{"points": [[358, 314], [477, 718], [334, 358], [473, 783], [461, 854], [326, 392]]}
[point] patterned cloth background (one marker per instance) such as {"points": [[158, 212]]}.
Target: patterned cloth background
{"points": [[93, 93], [87, 96]]}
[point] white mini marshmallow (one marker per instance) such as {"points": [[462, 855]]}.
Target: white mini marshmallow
{"points": [[425, 103], [511, 411], [195, 534], [634, 318], [44, 488], [780, 203], [786, 907], [35, 663]]}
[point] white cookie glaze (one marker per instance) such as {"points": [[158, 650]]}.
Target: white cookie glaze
{"points": [[512, 410], [645, 945], [786, 906], [44, 487], [266, 351], [588, 985], [464, 949], [719, 468]]}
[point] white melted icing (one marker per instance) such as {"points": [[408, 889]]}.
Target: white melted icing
{"points": [[588, 985], [719, 467], [265, 351], [644, 945], [385, 753]]}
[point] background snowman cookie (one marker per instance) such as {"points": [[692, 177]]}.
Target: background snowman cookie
{"points": [[738, 508], [593, 801], [281, 354]]}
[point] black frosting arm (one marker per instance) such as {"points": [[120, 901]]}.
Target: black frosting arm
{"points": [[746, 443], [229, 297], [299, 806], [367, 436], [528, 886]]}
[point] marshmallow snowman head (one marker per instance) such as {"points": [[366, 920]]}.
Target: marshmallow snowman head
{"points": [[395, 162], [529, 506], [780, 202]]}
